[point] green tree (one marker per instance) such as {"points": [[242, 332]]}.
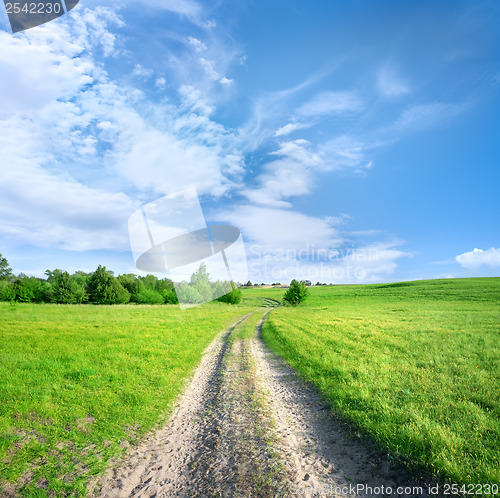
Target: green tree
{"points": [[132, 283], [7, 292], [23, 290], [104, 288], [200, 280], [296, 293], [5, 269], [170, 296], [188, 294]]}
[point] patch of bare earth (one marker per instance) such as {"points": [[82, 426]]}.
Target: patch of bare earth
{"points": [[248, 426]]}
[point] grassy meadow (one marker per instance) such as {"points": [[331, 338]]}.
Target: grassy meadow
{"points": [[79, 383], [414, 365]]}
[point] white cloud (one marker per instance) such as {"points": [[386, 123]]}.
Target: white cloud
{"points": [[73, 140], [479, 257], [208, 66], [345, 152], [198, 45], [290, 128], [282, 244], [188, 8], [331, 103], [164, 163], [48, 209], [425, 116], [288, 176], [161, 83], [295, 172], [142, 72], [390, 85]]}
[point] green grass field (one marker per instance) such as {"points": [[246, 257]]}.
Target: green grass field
{"points": [[80, 382], [414, 365]]}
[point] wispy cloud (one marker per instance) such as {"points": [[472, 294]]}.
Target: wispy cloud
{"points": [[426, 116], [188, 8], [327, 103], [287, 176], [295, 172], [390, 84], [283, 244], [290, 128], [198, 45]]}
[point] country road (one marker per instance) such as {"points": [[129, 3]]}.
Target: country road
{"points": [[247, 426]]}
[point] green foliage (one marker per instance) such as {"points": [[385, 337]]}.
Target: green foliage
{"points": [[7, 292], [23, 290], [132, 283], [65, 289], [5, 269], [413, 365], [296, 293], [104, 288], [170, 296], [188, 294], [148, 296], [233, 297]]}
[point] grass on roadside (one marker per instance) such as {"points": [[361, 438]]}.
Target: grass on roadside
{"points": [[415, 365], [81, 382]]}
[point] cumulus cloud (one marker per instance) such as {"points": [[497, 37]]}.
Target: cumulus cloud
{"points": [[479, 257], [74, 140]]}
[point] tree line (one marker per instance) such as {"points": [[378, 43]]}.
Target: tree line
{"points": [[102, 287]]}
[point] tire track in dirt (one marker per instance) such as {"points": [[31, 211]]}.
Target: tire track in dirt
{"points": [[247, 426]]}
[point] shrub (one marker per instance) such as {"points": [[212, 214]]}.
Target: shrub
{"points": [[148, 296], [7, 292], [170, 296], [296, 293], [233, 297]]}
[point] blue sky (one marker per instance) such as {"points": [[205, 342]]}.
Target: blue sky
{"points": [[351, 142]]}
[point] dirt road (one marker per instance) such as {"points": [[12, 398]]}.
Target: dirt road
{"points": [[247, 426]]}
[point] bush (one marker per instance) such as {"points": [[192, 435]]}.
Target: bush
{"points": [[24, 291], [148, 296], [7, 292], [170, 296], [296, 293], [233, 297]]}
